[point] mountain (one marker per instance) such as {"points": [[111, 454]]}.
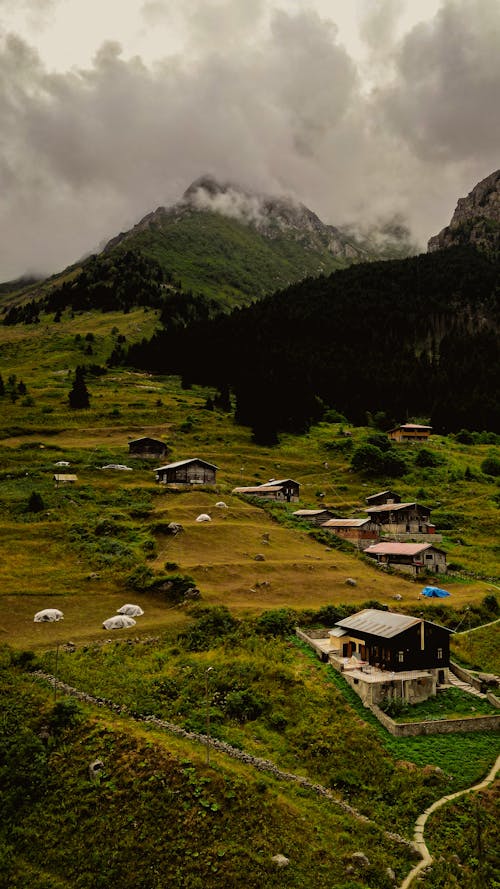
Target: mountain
{"points": [[219, 242], [237, 246], [476, 220]]}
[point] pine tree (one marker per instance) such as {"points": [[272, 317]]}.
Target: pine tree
{"points": [[79, 396]]}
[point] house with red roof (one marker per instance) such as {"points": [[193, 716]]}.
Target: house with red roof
{"points": [[412, 558]]}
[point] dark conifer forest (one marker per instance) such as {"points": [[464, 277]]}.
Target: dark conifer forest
{"points": [[414, 337]]}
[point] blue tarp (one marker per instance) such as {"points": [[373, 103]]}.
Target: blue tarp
{"points": [[434, 591]]}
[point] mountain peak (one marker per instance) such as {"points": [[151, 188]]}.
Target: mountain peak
{"points": [[476, 220]]}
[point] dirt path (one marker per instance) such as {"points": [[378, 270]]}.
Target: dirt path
{"points": [[418, 839]]}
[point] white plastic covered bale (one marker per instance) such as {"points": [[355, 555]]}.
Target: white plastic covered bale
{"points": [[48, 614], [131, 610], [118, 622]]}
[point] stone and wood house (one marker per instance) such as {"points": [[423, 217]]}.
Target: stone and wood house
{"points": [[408, 432], [187, 472], [383, 497], [402, 518], [384, 655], [360, 532], [286, 490], [148, 448], [315, 516], [412, 558]]}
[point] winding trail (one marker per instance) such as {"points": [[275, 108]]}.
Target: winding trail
{"points": [[418, 844], [418, 837]]}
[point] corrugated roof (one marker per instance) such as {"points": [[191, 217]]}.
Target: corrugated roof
{"points": [[409, 426], [146, 438], [276, 481], [393, 548], [378, 623], [185, 463], [391, 507], [306, 512], [345, 523], [65, 478], [380, 494], [256, 490]]}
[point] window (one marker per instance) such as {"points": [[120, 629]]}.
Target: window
{"points": [[401, 656], [440, 654], [428, 557]]}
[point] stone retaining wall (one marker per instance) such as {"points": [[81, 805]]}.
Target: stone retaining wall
{"points": [[436, 727], [466, 676], [263, 765]]}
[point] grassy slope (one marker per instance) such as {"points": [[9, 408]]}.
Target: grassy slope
{"points": [[221, 257], [46, 559]]}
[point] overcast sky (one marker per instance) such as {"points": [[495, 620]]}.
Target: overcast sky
{"points": [[361, 109]]}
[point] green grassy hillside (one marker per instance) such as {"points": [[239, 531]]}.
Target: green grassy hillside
{"points": [[159, 815]]}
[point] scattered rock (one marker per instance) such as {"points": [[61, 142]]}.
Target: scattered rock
{"points": [[95, 769], [204, 517], [397, 597], [259, 558], [390, 873], [359, 859], [174, 528], [93, 576], [351, 582], [280, 860], [221, 504]]}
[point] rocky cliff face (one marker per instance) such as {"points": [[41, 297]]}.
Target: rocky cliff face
{"points": [[476, 220]]}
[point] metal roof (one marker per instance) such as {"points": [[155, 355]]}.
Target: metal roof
{"points": [[256, 490], [305, 512], [147, 438], [65, 478], [392, 548], [345, 523], [378, 623], [409, 426], [391, 507], [276, 481], [380, 494], [185, 463]]}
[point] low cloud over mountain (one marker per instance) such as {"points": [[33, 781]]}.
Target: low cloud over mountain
{"points": [[273, 101]]}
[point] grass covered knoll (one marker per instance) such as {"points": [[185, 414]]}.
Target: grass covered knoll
{"points": [[157, 815]]}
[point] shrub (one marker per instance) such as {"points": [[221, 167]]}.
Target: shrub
{"points": [[35, 502], [278, 622], [491, 466], [244, 705], [426, 458]]}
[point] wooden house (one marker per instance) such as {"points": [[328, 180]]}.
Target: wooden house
{"points": [[149, 448], [65, 479], [315, 516], [360, 532], [187, 472], [276, 489], [383, 497], [394, 641], [412, 558], [402, 518], [410, 432]]}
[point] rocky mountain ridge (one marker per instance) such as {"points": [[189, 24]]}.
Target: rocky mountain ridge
{"points": [[476, 220], [272, 217]]}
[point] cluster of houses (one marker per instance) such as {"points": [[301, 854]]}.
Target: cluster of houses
{"points": [[409, 536], [396, 534]]}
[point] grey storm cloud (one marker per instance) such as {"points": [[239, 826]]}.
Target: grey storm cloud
{"points": [[85, 153]]}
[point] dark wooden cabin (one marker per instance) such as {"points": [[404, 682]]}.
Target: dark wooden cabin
{"points": [[149, 448], [187, 472], [395, 642]]}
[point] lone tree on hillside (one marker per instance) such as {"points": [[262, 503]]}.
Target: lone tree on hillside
{"points": [[79, 396]]}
